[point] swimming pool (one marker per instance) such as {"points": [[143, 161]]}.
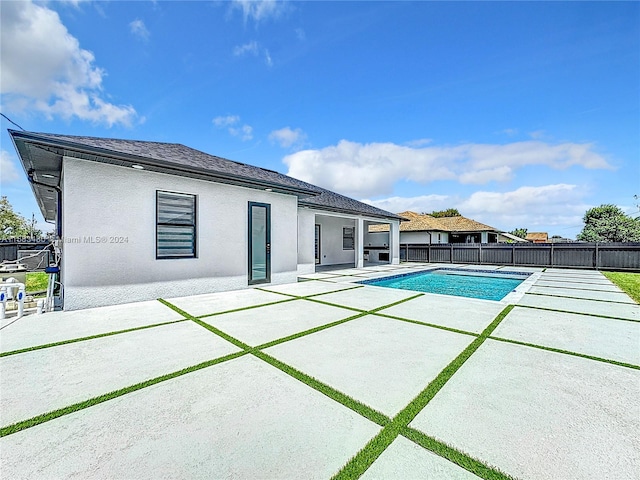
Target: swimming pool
{"points": [[487, 285]]}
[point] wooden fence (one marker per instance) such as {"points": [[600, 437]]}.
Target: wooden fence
{"points": [[605, 256]]}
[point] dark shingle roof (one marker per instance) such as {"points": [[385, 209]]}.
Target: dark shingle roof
{"points": [[175, 157]]}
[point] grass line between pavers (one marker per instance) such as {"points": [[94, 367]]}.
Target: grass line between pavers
{"points": [[333, 291], [579, 288], [323, 388], [365, 457], [581, 298], [90, 337], [567, 352], [304, 333], [22, 425], [360, 310], [580, 313], [211, 328], [292, 295], [249, 307], [328, 325], [446, 451], [426, 324], [389, 305], [324, 302], [342, 398]]}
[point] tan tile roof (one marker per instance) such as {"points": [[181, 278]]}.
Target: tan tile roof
{"points": [[463, 224], [531, 236], [423, 222]]}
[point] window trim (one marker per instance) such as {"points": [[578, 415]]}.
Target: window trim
{"points": [[195, 227], [353, 238]]}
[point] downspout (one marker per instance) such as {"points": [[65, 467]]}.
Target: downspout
{"points": [[58, 222]]}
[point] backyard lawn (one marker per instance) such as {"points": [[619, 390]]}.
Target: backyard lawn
{"points": [[36, 282], [628, 282]]}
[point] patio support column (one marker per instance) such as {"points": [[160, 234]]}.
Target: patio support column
{"points": [[359, 263], [394, 242]]}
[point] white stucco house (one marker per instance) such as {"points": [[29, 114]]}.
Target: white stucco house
{"points": [[139, 220]]}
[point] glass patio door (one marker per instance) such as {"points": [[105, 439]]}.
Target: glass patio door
{"points": [[259, 243]]}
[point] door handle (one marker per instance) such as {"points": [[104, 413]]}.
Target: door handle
{"points": [[268, 248]]}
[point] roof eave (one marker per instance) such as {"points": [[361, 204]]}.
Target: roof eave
{"points": [[154, 164]]}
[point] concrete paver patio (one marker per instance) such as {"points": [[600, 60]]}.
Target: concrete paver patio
{"points": [[72, 373], [538, 414], [408, 357], [214, 406]]}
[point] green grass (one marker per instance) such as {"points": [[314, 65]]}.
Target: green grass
{"points": [[398, 425], [83, 339], [16, 427], [36, 282], [628, 282]]}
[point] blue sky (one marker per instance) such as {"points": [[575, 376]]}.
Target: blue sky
{"points": [[519, 114]]}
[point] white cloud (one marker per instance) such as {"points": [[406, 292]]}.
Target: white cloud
{"points": [[226, 121], [509, 131], [528, 207], [139, 29], [537, 134], [8, 170], [359, 170], [420, 142], [251, 48], [260, 10], [420, 204], [44, 69], [245, 132], [287, 137], [231, 122]]}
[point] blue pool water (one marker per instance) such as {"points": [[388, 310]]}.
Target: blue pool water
{"points": [[454, 282]]}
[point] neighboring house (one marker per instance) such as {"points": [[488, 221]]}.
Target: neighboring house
{"points": [[538, 237], [425, 229], [559, 239], [141, 220], [505, 237]]}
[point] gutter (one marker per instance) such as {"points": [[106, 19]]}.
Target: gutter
{"points": [[145, 161]]}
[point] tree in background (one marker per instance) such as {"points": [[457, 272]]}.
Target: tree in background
{"points": [[449, 212], [13, 225], [608, 223], [519, 232]]}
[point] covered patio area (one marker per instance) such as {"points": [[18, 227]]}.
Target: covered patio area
{"points": [[344, 241]]}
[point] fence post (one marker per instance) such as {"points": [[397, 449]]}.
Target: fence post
{"points": [[513, 254], [595, 259], [451, 253], [429, 253], [552, 254], [480, 254]]}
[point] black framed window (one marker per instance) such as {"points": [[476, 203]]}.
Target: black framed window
{"points": [[348, 238], [175, 225]]}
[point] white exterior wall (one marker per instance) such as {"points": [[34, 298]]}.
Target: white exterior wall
{"points": [[423, 237], [414, 237], [376, 239], [116, 202], [306, 241], [331, 251]]}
